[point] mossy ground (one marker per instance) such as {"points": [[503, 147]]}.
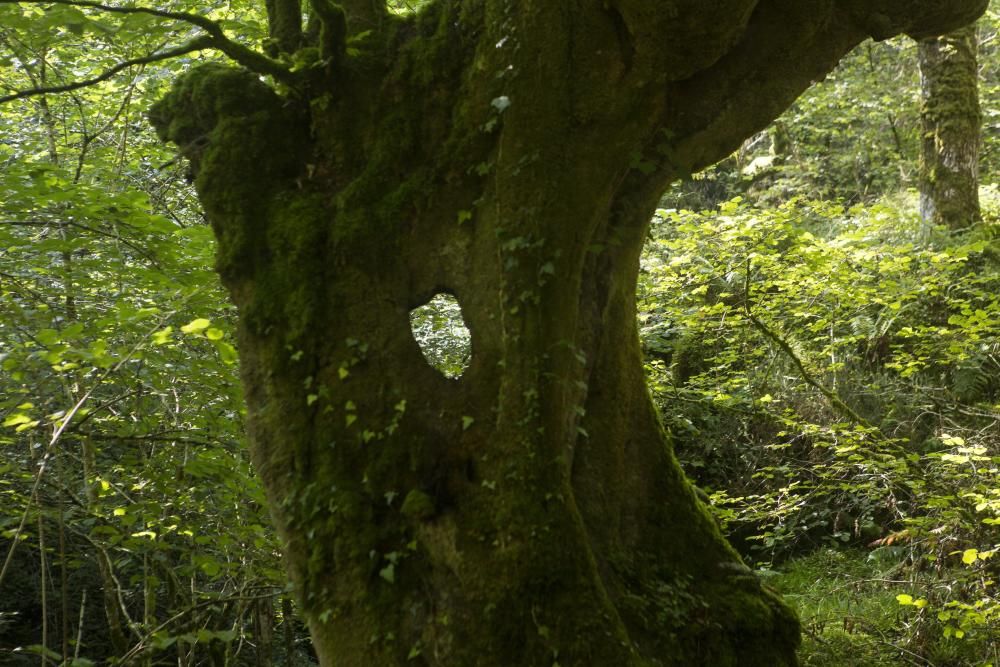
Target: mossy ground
{"points": [[850, 616]]}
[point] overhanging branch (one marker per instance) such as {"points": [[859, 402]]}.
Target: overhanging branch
{"points": [[216, 38], [197, 44]]}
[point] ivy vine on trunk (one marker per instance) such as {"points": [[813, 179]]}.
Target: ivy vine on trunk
{"points": [[508, 153]]}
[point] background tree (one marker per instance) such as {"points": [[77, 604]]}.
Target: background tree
{"points": [[949, 165]]}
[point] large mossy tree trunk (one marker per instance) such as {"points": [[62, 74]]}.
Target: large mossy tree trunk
{"points": [[951, 120], [509, 153]]}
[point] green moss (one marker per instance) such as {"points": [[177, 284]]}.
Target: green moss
{"points": [[525, 560], [418, 505], [951, 120], [244, 143]]}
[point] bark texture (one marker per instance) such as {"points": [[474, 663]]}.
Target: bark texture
{"points": [[507, 152], [950, 114]]}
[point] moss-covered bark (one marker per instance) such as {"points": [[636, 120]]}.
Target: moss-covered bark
{"points": [[949, 111], [509, 153]]}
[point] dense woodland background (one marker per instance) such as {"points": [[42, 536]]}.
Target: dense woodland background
{"points": [[828, 364]]}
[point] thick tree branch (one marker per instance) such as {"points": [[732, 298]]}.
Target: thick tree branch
{"points": [[284, 22], [216, 38], [333, 30], [364, 14], [738, 66], [196, 44]]}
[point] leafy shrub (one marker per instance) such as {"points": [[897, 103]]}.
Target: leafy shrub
{"points": [[829, 376]]}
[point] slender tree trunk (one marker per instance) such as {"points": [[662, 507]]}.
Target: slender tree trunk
{"points": [[509, 153], [64, 629], [109, 587], [288, 631], [43, 586], [263, 623], [950, 114]]}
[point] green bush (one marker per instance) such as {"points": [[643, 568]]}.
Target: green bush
{"points": [[830, 377]]}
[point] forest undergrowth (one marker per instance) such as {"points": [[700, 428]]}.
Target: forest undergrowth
{"points": [[831, 379]]}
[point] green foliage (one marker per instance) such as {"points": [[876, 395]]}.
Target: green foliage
{"points": [[405, 7], [828, 374], [123, 466], [853, 614], [440, 330], [849, 613]]}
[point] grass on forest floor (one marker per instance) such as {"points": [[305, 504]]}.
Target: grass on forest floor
{"points": [[850, 616]]}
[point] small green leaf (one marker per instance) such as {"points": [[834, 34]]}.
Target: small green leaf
{"points": [[210, 566], [162, 336], [388, 573], [969, 556], [214, 334], [25, 427], [195, 326], [17, 419], [904, 599], [467, 422], [226, 352]]}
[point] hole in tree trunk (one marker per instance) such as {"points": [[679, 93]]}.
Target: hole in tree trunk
{"points": [[440, 330]]}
